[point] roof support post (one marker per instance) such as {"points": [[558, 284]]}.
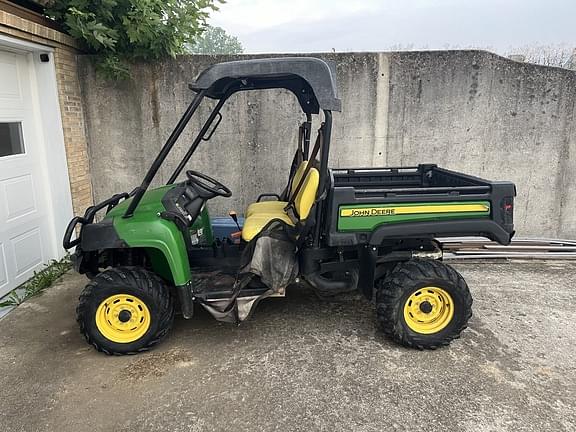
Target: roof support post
{"points": [[323, 173], [307, 134], [139, 191], [197, 140]]}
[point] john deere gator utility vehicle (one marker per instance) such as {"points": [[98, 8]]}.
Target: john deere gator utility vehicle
{"points": [[371, 229]]}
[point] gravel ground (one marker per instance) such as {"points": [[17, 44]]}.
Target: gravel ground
{"points": [[302, 364]]}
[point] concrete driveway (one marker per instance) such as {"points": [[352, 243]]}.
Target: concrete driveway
{"points": [[302, 364]]}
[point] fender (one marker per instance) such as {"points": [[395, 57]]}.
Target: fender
{"points": [[148, 230], [102, 235]]}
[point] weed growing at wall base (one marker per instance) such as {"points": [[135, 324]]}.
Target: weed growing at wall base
{"points": [[38, 283]]}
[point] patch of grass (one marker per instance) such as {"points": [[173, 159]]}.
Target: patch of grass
{"points": [[37, 283]]}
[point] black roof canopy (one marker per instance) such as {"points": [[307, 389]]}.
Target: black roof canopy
{"points": [[312, 80]]}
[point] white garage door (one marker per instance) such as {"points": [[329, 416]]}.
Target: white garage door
{"points": [[27, 239]]}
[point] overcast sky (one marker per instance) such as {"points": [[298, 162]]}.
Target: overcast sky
{"points": [[265, 26]]}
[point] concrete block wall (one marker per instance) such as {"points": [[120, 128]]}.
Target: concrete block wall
{"points": [[465, 110], [71, 110]]}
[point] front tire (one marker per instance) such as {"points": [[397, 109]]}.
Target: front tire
{"points": [[423, 304], [125, 311]]}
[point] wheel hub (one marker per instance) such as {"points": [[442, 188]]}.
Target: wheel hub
{"points": [[123, 318], [426, 307], [124, 315], [428, 310]]}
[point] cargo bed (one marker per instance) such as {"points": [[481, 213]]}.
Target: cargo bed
{"points": [[370, 205]]}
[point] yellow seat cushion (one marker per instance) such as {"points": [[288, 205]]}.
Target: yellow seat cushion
{"points": [[265, 207], [254, 224], [260, 214]]}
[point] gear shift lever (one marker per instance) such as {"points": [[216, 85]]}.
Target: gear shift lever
{"points": [[234, 217]]}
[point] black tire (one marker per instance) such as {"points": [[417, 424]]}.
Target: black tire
{"points": [[144, 285], [90, 275], [408, 278]]}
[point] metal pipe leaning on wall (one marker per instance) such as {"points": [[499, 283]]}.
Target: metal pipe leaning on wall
{"points": [[477, 248]]}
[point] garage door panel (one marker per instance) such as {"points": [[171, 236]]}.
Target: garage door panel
{"points": [[10, 87], [14, 166], [27, 251], [18, 193]]}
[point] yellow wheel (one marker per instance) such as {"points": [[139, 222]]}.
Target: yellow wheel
{"points": [[423, 304], [125, 310], [123, 318], [429, 310]]}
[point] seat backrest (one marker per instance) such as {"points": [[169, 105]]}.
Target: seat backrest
{"points": [[297, 177], [307, 194]]}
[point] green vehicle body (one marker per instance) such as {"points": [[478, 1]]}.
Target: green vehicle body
{"points": [[160, 238], [166, 249]]}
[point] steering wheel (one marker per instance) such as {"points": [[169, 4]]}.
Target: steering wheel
{"points": [[208, 184]]}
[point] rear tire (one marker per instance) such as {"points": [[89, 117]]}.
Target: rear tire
{"points": [[423, 304], [125, 311]]}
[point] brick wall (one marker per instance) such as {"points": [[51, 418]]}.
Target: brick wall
{"points": [[65, 51]]}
